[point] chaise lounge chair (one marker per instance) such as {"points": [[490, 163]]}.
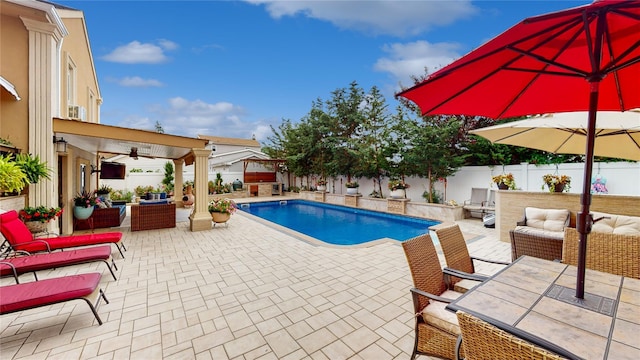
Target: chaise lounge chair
{"points": [[475, 206], [20, 238], [31, 295], [20, 263]]}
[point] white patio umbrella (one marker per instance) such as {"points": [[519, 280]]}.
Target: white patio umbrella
{"points": [[617, 134]]}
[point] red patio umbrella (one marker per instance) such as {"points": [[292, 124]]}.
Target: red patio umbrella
{"points": [[580, 59]]}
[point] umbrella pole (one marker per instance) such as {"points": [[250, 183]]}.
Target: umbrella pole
{"points": [[584, 219]]}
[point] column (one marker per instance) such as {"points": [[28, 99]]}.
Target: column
{"points": [[200, 218]]}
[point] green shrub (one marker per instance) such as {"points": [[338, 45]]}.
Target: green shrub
{"points": [[120, 195]]}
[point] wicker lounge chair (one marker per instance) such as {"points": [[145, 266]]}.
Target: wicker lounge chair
{"points": [[539, 233], [456, 254], [607, 252], [484, 341], [436, 329], [31, 295], [19, 238], [20, 263]]}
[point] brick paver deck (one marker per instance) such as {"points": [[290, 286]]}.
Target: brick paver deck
{"points": [[246, 291]]}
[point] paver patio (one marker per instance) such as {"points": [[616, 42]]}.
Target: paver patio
{"points": [[246, 291]]}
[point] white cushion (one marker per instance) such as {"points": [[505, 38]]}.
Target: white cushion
{"points": [[436, 315], [616, 224], [546, 219], [540, 232]]}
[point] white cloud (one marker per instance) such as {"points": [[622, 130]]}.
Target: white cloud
{"points": [[136, 52], [393, 17], [167, 44], [180, 116], [136, 81], [411, 59]]}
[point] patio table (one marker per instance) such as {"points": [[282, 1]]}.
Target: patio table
{"points": [[534, 299]]}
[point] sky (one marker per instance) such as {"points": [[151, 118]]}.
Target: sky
{"points": [[236, 68]]}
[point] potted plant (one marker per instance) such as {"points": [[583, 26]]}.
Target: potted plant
{"points": [[222, 209], [398, 189], [321, 185], [504, 181], [352, 187], [556, 183], [12, 178], [37, 218], [104, 191], [84, 203], [33, 168]]}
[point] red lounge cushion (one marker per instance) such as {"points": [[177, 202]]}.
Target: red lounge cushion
{"points": [[16, 232], [46, 292], [24, 264], [63, 242]]}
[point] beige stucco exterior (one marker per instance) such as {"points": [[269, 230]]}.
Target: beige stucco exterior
{"points": [[45, 54]]}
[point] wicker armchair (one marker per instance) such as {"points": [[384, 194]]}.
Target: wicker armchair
{"points": [[539, 233], [484, 341], [607, 252], [457, 256], [436, 329]]}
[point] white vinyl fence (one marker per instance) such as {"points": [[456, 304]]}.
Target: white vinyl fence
{"points": [[622, 178]]}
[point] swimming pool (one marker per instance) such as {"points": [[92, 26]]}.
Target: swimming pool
{"points": [[338, 225]]}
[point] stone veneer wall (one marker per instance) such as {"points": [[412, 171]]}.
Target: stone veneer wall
{"points": [[439, 212], [510, 206]]}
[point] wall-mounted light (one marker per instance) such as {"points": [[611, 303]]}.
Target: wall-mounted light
{"points": [[61, 144]]}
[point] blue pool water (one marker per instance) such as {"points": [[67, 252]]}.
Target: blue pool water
{"points": [[338, 224]]}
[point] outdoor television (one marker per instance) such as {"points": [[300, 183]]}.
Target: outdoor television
{"points": [[112, 170]]}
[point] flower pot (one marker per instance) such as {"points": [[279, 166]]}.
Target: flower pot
{"points": [[82, 213], [219, 217], [188, 198], [559, 188], [398, 194], [503, 186], [322, 187], [352, 191], [36, 226]]}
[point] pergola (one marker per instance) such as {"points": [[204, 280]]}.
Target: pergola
{"points": [[106, 139]]}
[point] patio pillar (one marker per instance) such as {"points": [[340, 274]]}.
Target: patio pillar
{"points": [[178, 182], [200, 218]]}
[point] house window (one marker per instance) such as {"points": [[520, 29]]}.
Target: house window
{"points": [[90, 110], [71, 83]]}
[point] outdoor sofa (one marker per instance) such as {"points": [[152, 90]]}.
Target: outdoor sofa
{"points": [[104, 218]]}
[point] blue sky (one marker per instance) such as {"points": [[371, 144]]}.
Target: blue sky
{"points": [[233, 68]]}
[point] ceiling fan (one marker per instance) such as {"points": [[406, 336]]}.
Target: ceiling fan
{"points": [[134, 153]]}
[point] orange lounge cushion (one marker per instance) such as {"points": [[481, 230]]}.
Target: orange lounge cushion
{"points": [[46, 292], [30, 263]]}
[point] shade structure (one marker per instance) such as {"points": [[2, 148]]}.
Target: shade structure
{"points": [[585, 58], [617, 134]]}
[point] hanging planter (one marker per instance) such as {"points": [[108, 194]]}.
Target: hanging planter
{"points": [[504, 181], [556, 183]]}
